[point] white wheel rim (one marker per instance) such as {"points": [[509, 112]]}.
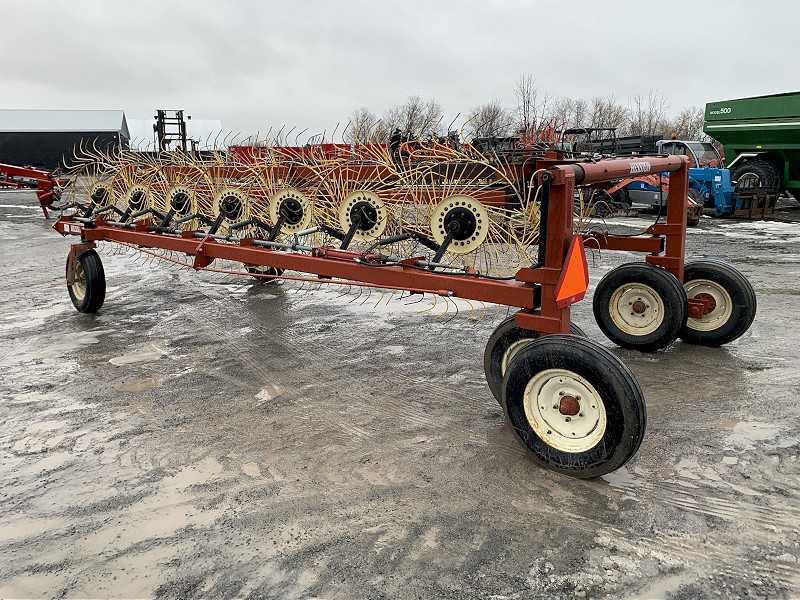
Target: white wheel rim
{"points": [[79, 281], [721, 304], [275, 205], [511, 353], [475, 207], [636, 309], [565, 410], [749, 180], [375, 202]]}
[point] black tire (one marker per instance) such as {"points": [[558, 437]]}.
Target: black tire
{"points": [[734, 303], [88, 290], [658, 307], [756, 173], [623, 196], [258, 273], [503, 344], [585, 413]]}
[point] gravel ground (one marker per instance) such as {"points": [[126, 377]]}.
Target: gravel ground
{"points": [[203, 436]]}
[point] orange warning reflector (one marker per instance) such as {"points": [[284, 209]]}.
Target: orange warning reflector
{"points": [[574, 280]]}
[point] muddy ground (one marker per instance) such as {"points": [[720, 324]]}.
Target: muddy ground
{"points": [[206, 437]]}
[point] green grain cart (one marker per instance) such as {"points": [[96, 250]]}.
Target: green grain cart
{"points": [[761, 139]]}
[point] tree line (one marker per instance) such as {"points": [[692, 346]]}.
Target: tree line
{"points": [[532, 110]]}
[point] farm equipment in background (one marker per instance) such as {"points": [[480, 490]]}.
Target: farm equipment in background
{"points": [[760, 138], [710, 184], [48, 184]]}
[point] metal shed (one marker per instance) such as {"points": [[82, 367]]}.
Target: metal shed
{"points": [[46, 138]]}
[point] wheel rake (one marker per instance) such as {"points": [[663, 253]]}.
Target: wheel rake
{"points": [[452, 224]]}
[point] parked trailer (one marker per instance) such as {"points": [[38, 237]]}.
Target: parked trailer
{"points": [[761, 139], [572, 404]]}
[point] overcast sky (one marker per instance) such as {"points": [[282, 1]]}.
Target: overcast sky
{"points": [[310, 63]]}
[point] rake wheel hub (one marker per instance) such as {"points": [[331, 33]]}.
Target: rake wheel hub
{"points": [[292, 211], [180, 203], [461, 222], [365, 215], [231, 208]]}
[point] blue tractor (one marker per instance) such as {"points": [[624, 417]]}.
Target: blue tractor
{"points": [[710, 184]]}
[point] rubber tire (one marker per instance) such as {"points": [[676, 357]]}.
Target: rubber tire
{"points": [[766, 172], [256, 272], [623, 197], [626, 414], [739, 289], [676, 306], [95, 276], [506, 334]]}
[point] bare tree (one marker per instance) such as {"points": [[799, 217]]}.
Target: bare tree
{"points": [[490, 119], [415, 118], [647, 116], [531, 108], [573, 113], [364, 127], [688, 124], [606, 112]]}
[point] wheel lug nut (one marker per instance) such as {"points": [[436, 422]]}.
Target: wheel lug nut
{"points": [[567, 419], [555, 406]]}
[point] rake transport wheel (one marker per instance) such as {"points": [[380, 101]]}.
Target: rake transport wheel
{"points": [[259, 272], [504, 343], [731, 303], [640, 307], [575, 406], [86, 283]]}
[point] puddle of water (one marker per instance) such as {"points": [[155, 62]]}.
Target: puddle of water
{"points": [[268, 393], [19, 526], [139, 385], [746, 434], [251, 469], [62, 345], [74, 407], [394, 350], [199, 473], [49, 463], [44, 426], [146, 354], [660, 589]]}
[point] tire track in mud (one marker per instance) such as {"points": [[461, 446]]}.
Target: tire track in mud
{"points": [[715, 555], [739, 513], [702, 501], [327, 359], [711, 552]]}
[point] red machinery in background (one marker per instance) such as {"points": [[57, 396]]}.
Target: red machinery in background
{"points": [[48, 184]]}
